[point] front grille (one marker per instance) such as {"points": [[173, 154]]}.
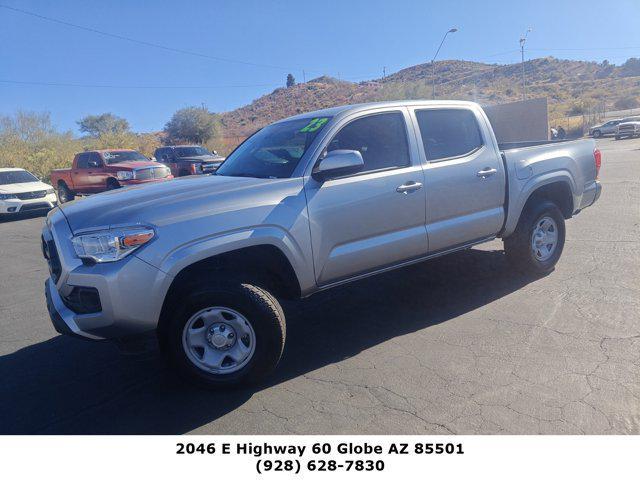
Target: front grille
{"points": [[34, 206], [50, 253], [209, 167], [31, 195], [152, 173], [626, 128]]}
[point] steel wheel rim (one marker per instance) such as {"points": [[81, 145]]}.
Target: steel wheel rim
{"points": [[218, 340], [62, 195], [544, 239]]}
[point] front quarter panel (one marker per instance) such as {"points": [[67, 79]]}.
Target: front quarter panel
{"points": [[272, 213]]}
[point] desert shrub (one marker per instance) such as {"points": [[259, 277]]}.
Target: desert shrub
{"points": [[626, 103]]}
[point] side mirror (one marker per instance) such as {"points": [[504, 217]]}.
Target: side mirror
{"points": [[92, 164], [215, 152], [338, 163]]}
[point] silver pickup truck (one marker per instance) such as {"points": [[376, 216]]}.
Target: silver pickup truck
{"points": [[305, 204]]}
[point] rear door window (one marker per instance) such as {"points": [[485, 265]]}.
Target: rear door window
{"points": [[448, 133], [380, 138]]}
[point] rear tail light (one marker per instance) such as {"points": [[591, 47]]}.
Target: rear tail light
{"points": [[597, 157], [196, 168]]}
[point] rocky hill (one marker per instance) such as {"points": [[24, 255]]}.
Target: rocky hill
{"points": [[572, 87]]}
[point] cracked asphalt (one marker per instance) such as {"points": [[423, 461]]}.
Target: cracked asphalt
{"points": [[457, 345]]}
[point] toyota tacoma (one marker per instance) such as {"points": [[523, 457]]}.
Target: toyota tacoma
{"points": [[305, 204]]}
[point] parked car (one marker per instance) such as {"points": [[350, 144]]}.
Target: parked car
{"points": [[22, 191], [607, 128], [188, 159], [628, 128], [305, 204], [100, 170]]}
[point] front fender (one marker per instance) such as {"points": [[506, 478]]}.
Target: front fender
{"points": [[200, 249]]}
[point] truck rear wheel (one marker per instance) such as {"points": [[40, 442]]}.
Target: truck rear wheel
{"points": [[225, 335], [64, 194], [537, 243]]}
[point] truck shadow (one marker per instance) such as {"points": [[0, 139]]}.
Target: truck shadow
{"points": [[16, 217], [67, 386]]}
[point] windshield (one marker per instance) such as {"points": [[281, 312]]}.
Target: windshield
{"points": [[17, 176], [123, 156], [191, 151], [274, 151]]}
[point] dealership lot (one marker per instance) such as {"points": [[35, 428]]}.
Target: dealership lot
{"points": [[457, 345]]}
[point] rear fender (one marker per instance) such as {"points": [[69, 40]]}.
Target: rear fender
{"points": [[516, 205]]}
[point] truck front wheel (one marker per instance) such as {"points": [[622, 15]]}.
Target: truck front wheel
{"points": [[225, 335], [537, 243], [64, 194]]}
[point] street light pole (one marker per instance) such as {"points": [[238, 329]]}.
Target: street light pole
{"points": [[523, 40], [433, 67]]}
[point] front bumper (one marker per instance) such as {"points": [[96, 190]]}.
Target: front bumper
{"points": [[131, 291], [15, 205]]}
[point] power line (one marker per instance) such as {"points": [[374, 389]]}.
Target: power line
{"points": [[141, 87], [141, 42]]}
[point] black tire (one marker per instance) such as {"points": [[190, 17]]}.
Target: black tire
{"points": [[518, 246], [258, 306], [618, 137], [597, 134], [64, 194], [112, 184]]}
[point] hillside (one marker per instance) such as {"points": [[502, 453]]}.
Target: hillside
{"points": [[570, 86]]}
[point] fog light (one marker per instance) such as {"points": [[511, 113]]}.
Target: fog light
{"points": [[83, 300]]}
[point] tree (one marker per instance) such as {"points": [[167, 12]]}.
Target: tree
{"points": [[291, 81], [631, 68], [106, 123], [192, 124]]}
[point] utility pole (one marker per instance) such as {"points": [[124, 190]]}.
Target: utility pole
{"points": [[384, 72], [523, 40], [433, 68], [304, 77]]}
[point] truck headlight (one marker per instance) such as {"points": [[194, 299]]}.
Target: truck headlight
{"points": [[49, 191], [125, 175], [111, 245], [7, 196]]}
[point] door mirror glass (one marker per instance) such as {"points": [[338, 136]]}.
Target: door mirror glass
{"points": [[92, 164], [338, 163]]}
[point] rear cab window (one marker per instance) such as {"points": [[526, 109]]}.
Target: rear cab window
{"points": [[448, 133]]}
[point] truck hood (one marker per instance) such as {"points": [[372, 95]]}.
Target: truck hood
{"points": [[24, 187], [164, 202], [133, 165]]}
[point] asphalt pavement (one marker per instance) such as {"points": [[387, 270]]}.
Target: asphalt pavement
{"points": [[460, 344]]}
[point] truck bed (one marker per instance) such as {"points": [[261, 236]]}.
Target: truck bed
{"points": [[533, 164]]}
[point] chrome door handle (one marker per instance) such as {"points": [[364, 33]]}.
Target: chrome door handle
{"points": [[487, 172], [409, 187]]}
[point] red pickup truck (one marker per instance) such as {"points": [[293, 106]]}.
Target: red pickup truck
{"points": [[99, 170]]}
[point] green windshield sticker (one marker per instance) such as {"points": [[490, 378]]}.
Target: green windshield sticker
{"points": [[314, 124]]}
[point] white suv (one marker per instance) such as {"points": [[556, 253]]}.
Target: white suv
{"points": [[22, 191]]}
